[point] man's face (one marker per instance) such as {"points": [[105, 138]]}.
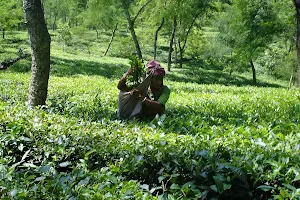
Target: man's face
{"points": [[157, 82]]}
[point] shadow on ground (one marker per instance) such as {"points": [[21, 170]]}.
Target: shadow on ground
{"points": [[189, 74], [204, 76], [66, 67]]}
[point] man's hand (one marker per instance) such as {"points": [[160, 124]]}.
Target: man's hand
{"points": [[137, 94], [129, 71]]}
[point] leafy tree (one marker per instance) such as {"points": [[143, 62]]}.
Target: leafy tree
{"points": [[40, 46], [52, 10], [126, 6], [64, 34], [250, 27], [101, 15], [219, 50], [67, 11], [158, 17], [171, 42], [156, 37], [11, 15], [297, 6], [190, 11], [76, 8], [160, 14], [163, 12], [180, 17]]}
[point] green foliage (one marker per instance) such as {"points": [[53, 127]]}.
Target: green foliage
{"points": [[277, 56], [101, 15], [138, 71], [11, 14], [67, 11], [64, 34], [197, 44], [254, 30], [123, 45], [213, 142]]}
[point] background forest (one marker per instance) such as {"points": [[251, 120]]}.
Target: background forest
{"points": [[231, 128], [233, 36]]}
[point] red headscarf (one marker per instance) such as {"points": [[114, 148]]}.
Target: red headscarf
{"points": [[155, 67]]}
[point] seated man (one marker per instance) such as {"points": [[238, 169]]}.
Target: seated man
{"points": [[158, 93], [154, 101]]}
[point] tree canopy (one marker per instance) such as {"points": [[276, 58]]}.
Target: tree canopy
{"points": [[11, 15]]}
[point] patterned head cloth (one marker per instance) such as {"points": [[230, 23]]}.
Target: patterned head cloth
{"points": [[152, 63], [155, 67]]}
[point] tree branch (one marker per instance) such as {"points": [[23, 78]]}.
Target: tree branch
{"points": [[107, 26], [141, 10], [189, 30]]}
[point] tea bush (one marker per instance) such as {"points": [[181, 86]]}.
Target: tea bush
{"points": [[220, 137], [215, 141]]}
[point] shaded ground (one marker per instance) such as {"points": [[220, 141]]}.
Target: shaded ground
{"points": [[202, 76], [66, 67], [193, 71]]}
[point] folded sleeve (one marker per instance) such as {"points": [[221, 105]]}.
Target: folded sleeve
{"points": [[164, 96]]}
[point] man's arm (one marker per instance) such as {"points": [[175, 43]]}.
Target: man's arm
{"points": [[122, 82], [152, 108]]}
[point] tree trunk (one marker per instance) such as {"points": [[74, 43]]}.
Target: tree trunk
{"points": [[4, 65], [50, 18], [40, 45], [171, 43], [54, 23], [175, 51], [97, 32], [156, 36], [290, 83], [131, 21], [297, 6], [111, 39], [132, 31], [253, 72], [3, 33], [180, 55], [64, 16], [7, 63], [181, 48]]}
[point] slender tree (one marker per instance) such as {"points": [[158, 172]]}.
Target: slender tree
{"points": [[251, 26], [183, 38], [186, 13], [10, 15], [40, 46], [128, 7], [111, 39], [102, 15], [164, 13], [297, 6], [171, 43], [158, 15], [156, 36], [131, 21], [189, 12]]}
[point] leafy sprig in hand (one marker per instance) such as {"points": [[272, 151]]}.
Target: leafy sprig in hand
{"points": [[137, 69]]}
